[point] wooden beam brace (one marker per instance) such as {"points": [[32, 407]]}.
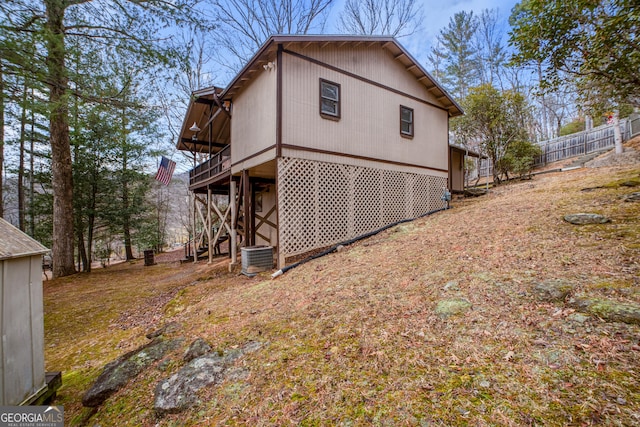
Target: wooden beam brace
{"points": [[200, 142], [262, 236], [238, 204], [265, 219], [204, 101]]}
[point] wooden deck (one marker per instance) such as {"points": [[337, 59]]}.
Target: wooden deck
{"points": [[215, 171]]}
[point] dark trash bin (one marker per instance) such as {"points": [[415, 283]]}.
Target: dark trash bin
{"points": [[148, 257]]}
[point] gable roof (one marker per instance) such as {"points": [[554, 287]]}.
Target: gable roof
{"points": [[209, 97], [16, 244]]}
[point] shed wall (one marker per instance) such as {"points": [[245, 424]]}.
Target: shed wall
{"points": [[22, 371], [457, 171]]}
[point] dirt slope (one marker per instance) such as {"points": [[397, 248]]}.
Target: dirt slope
{"points": [[355, 338]]}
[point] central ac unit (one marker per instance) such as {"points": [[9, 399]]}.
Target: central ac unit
{"points": [[256, 259]]}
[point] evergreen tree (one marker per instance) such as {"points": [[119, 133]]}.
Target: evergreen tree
{"points": [[458, 54], [134, 26]]}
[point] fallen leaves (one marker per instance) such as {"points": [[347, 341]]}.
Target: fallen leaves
{"points": [[354, 337]]}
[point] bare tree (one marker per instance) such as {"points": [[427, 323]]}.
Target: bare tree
{"points": [[491, 49], [397, 18], [244, 25]]}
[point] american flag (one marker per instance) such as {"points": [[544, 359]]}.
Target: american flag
{"points": [[165, 171]]}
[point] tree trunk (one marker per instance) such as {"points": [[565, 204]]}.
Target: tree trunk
{"points": [[61, 167], [588, 122], [1, 138], [545, 133], [617, 133], [126, 219], [82, 251], [32, 225], [23, 132], [126, 223], [91, 220]]}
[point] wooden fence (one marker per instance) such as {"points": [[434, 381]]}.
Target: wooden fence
{"points": [[581, 143], [634, 125], [578, 144]]}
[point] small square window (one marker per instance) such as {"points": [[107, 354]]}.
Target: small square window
{"points": [[329, 99], [406, 121]]}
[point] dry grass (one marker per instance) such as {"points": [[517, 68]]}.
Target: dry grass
{"points": [[353, 338]]}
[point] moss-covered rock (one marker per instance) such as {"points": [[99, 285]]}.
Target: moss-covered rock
{"points": [[198, 348], [553, 290], [451, 307], [179, 391], [586, 218], [117, 374], [607, 309]]}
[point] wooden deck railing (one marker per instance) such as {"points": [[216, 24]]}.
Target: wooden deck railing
{"points": [[218, 163]]}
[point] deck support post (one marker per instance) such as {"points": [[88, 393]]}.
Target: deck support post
{"points": [[208, 224], [246, 208], [194, 243], [233, 240]]}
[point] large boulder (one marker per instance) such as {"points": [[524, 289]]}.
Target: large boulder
{"points": [[117, 374], [179, 391]]}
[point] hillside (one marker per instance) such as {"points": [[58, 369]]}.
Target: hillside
{"points": [[360, 337]]}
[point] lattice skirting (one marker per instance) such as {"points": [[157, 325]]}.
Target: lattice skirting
{"points": [[321, 204]]}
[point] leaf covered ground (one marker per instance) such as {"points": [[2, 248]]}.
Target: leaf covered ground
{"points": [[354, 338]]}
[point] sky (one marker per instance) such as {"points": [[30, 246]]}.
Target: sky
{"points": [[437, 14]]}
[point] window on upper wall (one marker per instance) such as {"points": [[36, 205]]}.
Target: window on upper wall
{"points": [[329, 99], [406, 121]]}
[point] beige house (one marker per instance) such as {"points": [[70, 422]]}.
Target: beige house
{"points": [[317, 140]]}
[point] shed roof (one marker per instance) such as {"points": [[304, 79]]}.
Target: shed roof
{"points": [[208, 101], [15, 244], [466, 151]]}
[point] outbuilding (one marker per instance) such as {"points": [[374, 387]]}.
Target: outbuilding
{"points": [[22, 373]]}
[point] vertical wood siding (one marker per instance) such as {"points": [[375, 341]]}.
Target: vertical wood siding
{"points": [[370, 123], [22, 326], [253, 127]]}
